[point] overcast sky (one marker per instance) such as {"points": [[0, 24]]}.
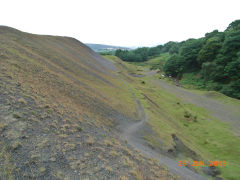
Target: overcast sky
{"points": [[120, 22]]}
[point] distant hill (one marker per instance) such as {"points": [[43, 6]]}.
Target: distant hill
{"points": [[103, 47]]}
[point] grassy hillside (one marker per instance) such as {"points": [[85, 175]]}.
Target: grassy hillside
{"points": [[200, 136], [60, 104], [154, 62]]}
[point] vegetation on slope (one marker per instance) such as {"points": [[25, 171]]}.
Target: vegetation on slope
{"points": [[213, 61]]}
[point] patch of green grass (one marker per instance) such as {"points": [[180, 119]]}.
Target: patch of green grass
{"points": [[158, 62], [132, 69], [208, 137], [79, 128], [110, 57], [222, 143], [192, 80], [154, 63], [139, 63], [5, 158]]}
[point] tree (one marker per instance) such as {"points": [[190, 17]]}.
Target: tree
{"points": [[232, 69], [153, 51], [231, 45], [166, 47], [142, 52], [209, 51], [174, 49], [174, 66], [235, 25], [189, 51]]}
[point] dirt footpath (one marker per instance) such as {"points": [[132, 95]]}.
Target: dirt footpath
{"points": [[130, 134]]}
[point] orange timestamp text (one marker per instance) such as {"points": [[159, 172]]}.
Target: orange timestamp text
{"points": [[203, 163]]}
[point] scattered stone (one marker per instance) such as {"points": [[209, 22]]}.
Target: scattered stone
{"points": [[53, 159]]}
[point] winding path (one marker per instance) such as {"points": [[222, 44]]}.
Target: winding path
{"points": [[129, 134]]}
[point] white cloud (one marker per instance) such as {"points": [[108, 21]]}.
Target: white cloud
{"points": [[120, 22]]}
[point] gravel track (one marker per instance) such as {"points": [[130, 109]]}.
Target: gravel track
{"points": [[224, 112], [129, 134]]}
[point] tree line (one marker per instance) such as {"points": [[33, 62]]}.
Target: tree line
{"points": [[215, 57], [144, 53]]}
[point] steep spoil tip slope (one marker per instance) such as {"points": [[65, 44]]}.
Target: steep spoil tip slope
{"points": [[59, 102]]}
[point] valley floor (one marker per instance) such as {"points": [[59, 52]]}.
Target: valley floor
{"points": [[182, 124]]}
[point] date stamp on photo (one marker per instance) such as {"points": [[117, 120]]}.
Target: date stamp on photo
{"points": [[203, 163]]}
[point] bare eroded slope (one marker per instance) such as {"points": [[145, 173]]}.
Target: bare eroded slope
{"points": [[59, 104]]}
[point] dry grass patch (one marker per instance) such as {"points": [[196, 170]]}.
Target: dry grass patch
{"points": [[59, 174], [108, 142], [22, 100], [63, 135], [16, 145], [100, 149], [127, 162], [123, 178], [113, 153], [42, 169], [109, 169], [2, 126], [42, 143], [90, 141], [138, 174], [68, 147]]}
